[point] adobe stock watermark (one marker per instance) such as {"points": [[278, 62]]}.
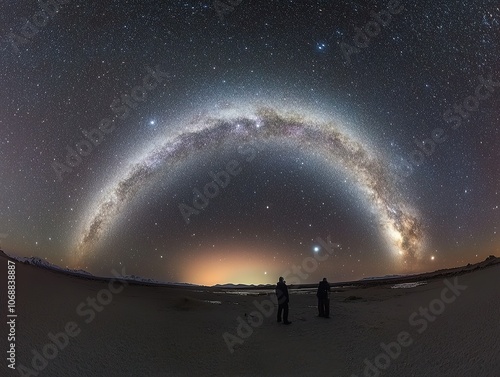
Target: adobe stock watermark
{"points": [[220, 181], [32, 27], [371, 29], [266, 308], [224, 7], [121, 108], [455, 115], [88, 311], [420, 321]]}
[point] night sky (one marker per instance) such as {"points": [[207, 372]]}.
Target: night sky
{"points": [[221, 141]]}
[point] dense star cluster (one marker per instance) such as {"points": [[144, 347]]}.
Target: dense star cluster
{"points": [[218, 141]]}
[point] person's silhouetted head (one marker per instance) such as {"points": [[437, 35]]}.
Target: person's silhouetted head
{"points": [[324, 279], [281, 279]]}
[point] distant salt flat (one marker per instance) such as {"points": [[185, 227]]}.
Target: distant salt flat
{"points": [[247, 293], [262, 292], [303, 291], [409, 285]]}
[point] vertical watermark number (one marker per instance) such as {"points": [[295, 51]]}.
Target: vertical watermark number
{"points": [[11, 314]]}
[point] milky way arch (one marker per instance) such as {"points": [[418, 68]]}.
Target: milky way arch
{"points": [[399, 223]]}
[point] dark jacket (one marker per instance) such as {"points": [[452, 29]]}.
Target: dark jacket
{"points": [[323, 289], [282, 293]]}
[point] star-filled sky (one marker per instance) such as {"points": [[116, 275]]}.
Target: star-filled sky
{"points": [[236, 141]]}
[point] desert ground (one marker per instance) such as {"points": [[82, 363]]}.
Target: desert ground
{"points": [[448, 326]]}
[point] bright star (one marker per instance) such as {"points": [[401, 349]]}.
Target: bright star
{"points": [[321, 46], [316, 249], [152, 122]]}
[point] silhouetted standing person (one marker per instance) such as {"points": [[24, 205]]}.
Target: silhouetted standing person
{"points": [[323, 295], [283, 298]]}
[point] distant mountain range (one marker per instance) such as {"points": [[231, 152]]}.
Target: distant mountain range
{"points": [[38, 262], [35, 261], [230, 285]]}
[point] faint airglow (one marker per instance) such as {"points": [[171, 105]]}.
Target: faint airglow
{"points": [[230, 265]]}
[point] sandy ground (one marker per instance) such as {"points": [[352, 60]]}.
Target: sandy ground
{"points": [[163, 331]]}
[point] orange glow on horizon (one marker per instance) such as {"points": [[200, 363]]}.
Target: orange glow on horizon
{"points": [[229, 266]]}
